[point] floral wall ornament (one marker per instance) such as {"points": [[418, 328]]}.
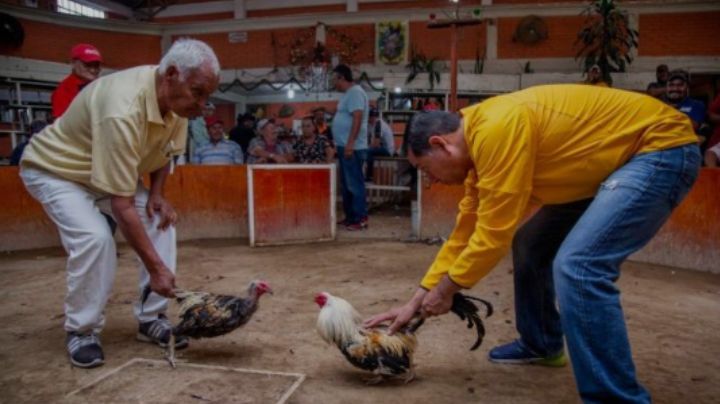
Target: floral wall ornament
{"points": [[391, 42]]}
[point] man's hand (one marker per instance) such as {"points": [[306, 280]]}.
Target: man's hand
{"points": [[436, 303], [158, 204], [398, 315], [439, 300], [348, 152], [162, 282]]}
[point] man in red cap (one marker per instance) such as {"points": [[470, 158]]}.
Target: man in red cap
{"points": [[85, 63]]}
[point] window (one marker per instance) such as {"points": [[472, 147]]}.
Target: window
{"points": [[71, 7]]}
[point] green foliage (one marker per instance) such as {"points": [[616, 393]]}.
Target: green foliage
{"points": [[606, 38], [419, 63]]}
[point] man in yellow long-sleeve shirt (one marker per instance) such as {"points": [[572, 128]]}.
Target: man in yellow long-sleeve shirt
{"points": [[607, 166]]}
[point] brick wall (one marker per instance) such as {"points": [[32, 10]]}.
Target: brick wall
{"points": [[51, 42], [394, 5], [195, 18], [537, 1], [689, 34], [226, 112], [259, 51], [338, 8], [256, 52], [435, 42], [562, 33]]}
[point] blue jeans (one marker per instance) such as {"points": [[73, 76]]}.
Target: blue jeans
{"points": [[352, 182], [573, 252]]}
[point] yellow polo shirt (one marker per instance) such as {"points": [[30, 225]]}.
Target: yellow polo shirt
{"points": [[547, 145], [111, 135]]}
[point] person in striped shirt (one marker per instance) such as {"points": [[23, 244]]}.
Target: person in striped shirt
{"points": [[219, 151]]}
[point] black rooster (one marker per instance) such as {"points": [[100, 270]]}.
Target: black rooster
{"points": [[205, 315]]}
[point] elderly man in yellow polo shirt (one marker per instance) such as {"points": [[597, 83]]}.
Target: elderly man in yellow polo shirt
{"points": [[607, 166], [91, 159]]}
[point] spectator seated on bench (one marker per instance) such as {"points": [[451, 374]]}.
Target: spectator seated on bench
{"points": [[311, 147], [265, 148], [218, 151]]}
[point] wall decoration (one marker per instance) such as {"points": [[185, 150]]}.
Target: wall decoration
{"points": [[391, 42], [259, 111]]}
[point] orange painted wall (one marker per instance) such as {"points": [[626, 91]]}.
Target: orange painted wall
{"points": [[438, 208], [51, 42], [211, 202], [22, 219], [690, 239], [292, 205], [562, 33], [688, 34]]}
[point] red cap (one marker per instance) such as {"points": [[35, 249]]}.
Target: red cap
{"points": [[85, 53], [210, 121]]}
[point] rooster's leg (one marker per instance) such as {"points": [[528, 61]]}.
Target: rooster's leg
{"points": [[170, 353], [377, 379], [409, 376]]}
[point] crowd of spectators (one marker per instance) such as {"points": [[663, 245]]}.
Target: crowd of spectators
{"points": [[267, 141]]}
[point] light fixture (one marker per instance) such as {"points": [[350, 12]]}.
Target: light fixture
{"points": [[398, 90], [291, 94]]}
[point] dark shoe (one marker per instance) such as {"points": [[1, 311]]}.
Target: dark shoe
{"points": [[158, 332], [84, 350], [516, 353], [343, 222]]}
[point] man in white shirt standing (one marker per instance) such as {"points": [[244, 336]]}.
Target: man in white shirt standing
{"points": [[119, 128]]}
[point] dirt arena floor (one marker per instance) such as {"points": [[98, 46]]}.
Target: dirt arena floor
{"points": [[673, 318]]}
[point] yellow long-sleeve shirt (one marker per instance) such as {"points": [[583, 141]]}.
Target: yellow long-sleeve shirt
{"points": [[548, 144]]}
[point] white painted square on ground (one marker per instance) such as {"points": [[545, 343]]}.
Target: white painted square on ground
{"points": [[154, 381]]}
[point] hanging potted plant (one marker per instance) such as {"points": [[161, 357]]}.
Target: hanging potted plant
{"points": [[419, 63], [606, 38]]}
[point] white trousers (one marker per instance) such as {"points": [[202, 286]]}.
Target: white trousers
{"points": [[89, 243]]}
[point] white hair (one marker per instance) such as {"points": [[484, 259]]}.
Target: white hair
{"points": [[189, 54]]}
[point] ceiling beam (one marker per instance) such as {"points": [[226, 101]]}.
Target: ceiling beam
{"points": [[108, 5]]}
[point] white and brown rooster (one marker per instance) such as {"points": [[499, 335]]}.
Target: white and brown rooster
{"points": [[373, 350], [205, 315]]}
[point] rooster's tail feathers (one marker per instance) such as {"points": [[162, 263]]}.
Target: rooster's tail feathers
{"points": [[464, 308]]}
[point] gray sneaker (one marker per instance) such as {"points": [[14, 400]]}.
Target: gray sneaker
{"points": [[84, 350], [158, 332]]}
